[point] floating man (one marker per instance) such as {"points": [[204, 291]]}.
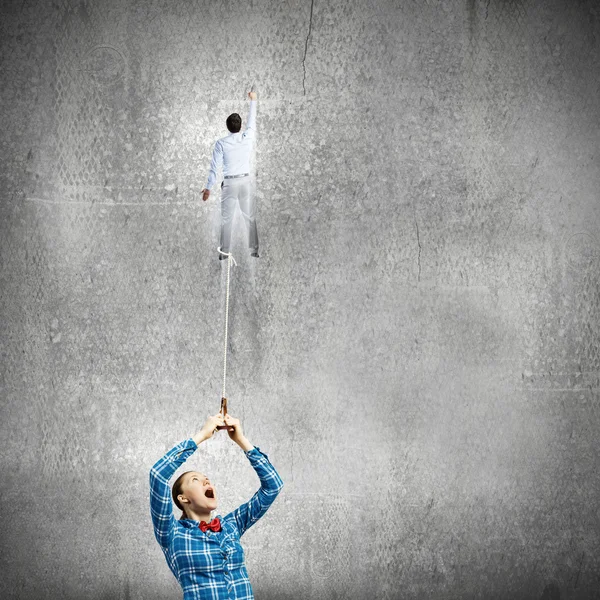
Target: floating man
{"points": [[232, 152]]}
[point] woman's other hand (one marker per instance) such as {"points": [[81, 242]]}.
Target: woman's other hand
{"points": [[211, 425], [234, 429]]}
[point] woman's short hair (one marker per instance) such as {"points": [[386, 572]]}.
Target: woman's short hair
{"points": [[176, 490], [234, 122]]}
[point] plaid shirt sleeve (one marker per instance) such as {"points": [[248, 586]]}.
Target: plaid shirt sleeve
{"points": [[270, 485], [161, 504]]}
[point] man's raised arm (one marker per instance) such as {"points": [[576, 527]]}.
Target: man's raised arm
{"points": [[251, 126]]}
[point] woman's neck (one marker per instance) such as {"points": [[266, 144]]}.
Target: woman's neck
{"points": [[199, 516]]}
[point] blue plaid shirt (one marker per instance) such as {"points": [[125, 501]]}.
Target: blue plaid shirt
{"points": [[210, 564]]}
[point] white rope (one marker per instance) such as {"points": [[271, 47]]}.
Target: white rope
{"points": [[229, 259]]}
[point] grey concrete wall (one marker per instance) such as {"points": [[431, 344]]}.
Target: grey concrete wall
{"points": [[417, 349]]}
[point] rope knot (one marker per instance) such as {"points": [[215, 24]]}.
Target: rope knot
{"points": [[227, 254]]}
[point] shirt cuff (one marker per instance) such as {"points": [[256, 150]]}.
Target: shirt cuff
{"points": [[255, 453]]}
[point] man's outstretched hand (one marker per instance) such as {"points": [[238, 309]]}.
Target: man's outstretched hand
{"points": [[205, 194], [252, 95]]}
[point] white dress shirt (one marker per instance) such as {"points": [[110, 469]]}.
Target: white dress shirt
{"points": [[233, 151]]}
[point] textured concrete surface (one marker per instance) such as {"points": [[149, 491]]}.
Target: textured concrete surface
{"points": [[417, 349]]}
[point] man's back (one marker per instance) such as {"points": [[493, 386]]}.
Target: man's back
{"points": [[233, 151]]}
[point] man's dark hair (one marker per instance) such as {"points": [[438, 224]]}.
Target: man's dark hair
{"points": [[234, 123]]}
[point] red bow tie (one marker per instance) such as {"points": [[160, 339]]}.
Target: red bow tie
{"points": [[215, 525]]}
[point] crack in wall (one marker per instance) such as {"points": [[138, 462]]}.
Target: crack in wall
{"points": [[419, 244], [306, 46]]}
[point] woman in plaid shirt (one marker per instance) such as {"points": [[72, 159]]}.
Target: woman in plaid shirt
{"points": [[205, 555]]}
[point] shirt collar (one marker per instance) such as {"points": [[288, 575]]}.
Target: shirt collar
{"points": [[191, 523]]}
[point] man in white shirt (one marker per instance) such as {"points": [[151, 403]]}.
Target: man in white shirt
{"points": [[233, 153]]}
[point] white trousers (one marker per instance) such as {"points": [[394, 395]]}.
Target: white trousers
{"points": [[234, 191]]}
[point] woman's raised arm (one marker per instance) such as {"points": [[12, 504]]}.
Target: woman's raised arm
{"points": [[161, 504]]}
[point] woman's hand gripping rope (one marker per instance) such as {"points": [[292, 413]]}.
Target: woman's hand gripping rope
{"points": [[234, 427]]}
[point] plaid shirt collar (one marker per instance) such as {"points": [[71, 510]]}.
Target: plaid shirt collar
{"points": [[192, 523]]}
